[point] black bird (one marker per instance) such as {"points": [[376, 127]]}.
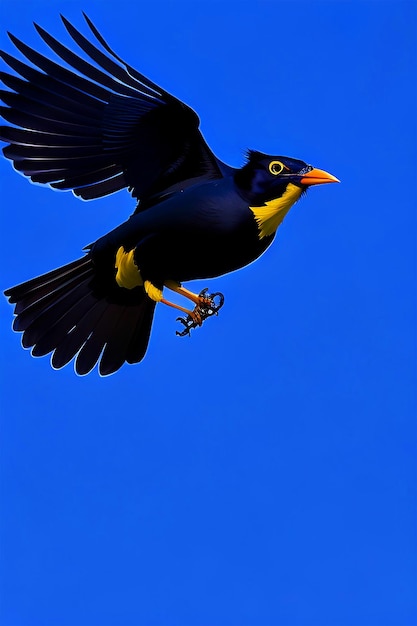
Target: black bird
{"points": [[96, 127]]}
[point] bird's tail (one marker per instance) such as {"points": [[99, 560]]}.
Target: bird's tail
{"points": [[66, 312]]}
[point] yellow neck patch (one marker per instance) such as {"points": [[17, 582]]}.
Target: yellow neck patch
{"points": [[128, 274], [270, 215]]}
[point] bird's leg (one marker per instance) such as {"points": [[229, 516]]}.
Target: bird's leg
{"points": [[194, 316], [205, 306], [156, 294], [199, 299]]}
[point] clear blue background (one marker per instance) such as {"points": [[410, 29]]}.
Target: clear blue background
{"points": [[263, 471]]}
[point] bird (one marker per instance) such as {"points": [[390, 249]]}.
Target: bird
{"points": [[88, 122]]}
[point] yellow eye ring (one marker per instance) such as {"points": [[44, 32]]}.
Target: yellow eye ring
{"points": [[276, 167]]}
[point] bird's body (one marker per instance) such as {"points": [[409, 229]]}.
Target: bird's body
{"points": [[95, 132], [172, 240]]}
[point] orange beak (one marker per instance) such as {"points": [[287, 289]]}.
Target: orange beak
{"points": [[318, 177]]}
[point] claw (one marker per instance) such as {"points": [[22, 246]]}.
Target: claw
{"points": [[205, 300], [210, 305], [188, 323]]}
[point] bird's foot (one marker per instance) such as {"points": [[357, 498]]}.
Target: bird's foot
{"points": [[209, 305]]}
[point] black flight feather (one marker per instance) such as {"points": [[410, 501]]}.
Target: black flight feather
{"points": [[65, 312], [142, 137]]}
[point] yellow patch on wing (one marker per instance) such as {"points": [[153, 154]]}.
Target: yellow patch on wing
{"points": [[128, 274], [153, 292], [270, 215]]}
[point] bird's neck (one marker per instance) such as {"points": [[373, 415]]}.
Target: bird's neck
{"points": [[271, 213]]}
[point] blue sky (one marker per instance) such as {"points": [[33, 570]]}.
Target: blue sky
{"points": [[263, 471]]}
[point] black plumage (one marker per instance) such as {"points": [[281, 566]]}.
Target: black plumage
{"points": [[96, 127]]}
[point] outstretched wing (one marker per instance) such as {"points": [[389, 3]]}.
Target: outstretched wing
{"points": [[99, 125]]}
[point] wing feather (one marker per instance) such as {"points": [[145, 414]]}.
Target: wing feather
{"points": [[96, 125]]}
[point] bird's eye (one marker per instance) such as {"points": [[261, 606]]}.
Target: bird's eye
{"points": [[276, 167]]}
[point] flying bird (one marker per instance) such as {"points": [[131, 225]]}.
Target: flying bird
{"points": [[95, 127]]}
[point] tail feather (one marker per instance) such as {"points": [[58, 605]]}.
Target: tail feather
{"points": [[115, 352], [77, 336], [66, 313], [48, 289], [50, 336], [16, 293], [138, 344], [37, 317], [93, 347]]}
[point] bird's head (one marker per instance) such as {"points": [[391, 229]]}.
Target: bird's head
{"points": [[272, 184], [265, 177]]}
